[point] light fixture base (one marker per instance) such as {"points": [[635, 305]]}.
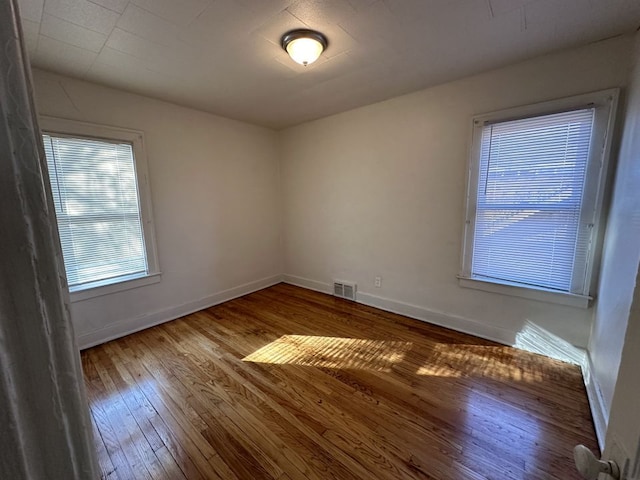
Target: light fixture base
{"points": [[313, 44]]}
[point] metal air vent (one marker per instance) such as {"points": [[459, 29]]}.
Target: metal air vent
{"points": [[345, 290]]}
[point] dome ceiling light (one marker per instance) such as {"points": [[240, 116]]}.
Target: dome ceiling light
{"points": [[304, 46]]}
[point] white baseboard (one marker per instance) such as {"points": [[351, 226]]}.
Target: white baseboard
{"points": [[307, 283], [596, 402], [454, 322], [132, 325]]}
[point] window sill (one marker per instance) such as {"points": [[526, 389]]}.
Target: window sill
{"points": [[532, 293], [98, 289]]}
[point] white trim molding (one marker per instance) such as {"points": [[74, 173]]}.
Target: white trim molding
{"points": [[532, 293], [442, 319], [132, 325], [580, 278], [75, 129], [308, 283], [97, 289], [597, 405], [46, 423]]}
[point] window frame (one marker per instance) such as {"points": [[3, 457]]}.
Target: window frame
{"points": [[76, 129], [605, 103]]}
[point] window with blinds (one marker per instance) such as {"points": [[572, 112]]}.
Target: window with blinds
{"points": [[95, 193], [535, 191], [529, 204]]}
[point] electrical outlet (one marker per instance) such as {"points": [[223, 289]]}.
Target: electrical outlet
{"points": [[618, 454], [377, 282]]}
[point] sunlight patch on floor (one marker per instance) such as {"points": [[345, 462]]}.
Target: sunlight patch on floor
{"points": [[461, 360], [332, 352]]}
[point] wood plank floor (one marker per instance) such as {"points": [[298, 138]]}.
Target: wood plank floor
{"points": [[289, 384]]}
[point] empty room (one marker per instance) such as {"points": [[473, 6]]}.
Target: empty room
{"points": [[319, 239]]}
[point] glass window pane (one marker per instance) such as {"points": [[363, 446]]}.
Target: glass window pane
{"points": [[96, 200], [530, 190]]}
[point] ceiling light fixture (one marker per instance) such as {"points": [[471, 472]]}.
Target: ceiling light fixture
{"points": [[304, 46]]}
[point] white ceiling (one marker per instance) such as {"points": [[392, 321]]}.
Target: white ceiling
{"points": [[223, 56]]}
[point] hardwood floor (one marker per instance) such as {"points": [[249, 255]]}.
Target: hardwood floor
{"points": [[289, 384]]}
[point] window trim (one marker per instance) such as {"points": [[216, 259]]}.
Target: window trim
{"points": [[605, 103], [73, 128]]}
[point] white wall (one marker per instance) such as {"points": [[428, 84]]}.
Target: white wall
{"points": [[216, 202], [624, 420], [618, 311], [379, 191]]}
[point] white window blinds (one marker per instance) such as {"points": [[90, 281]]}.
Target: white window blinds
{"points": [[96, 200], [529, 223]]}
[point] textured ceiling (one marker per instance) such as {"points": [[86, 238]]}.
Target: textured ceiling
{"points": [[223, 56]]}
